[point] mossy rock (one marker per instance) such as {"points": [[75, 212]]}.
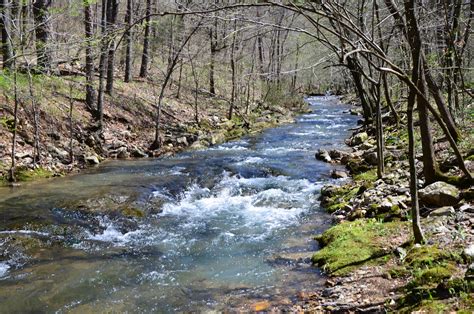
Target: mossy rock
{"points": [[425, 256], [24, 174], [431, 277], [133, 212], [351, 244], [356, 166], [399, 272], [367, 176]]}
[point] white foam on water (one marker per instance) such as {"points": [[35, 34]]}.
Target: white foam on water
{"points": [[261, 205], [25, 232], [112, 234], [252, 160], [4, 267], [177, 171], [283, 149], [233, 147]]}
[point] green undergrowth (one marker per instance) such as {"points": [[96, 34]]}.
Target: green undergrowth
{"points": [[434, 280], [350, 245], [367, 176], [339, 197], [24, 174]]}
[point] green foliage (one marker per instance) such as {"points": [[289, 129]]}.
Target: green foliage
{"points": [[7, 123]]}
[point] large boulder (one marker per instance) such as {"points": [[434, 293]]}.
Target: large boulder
{"points": [[359, 138], [440, 194], [217, 138], [323, 155], [92, 160], [339, 174], [371, 158]]}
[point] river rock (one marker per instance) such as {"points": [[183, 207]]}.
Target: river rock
{"points": [[359, 138], [443, 211], [469, 251], [339, 155], [57, 152], [198, 145], [323, 155], [138, 153], [440, 194], [371, 158], [338, 174], [183, 141], [217, 138], [122, 153], [92, 160]]}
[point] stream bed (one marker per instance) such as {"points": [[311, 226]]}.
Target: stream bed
{"points": [[218, 224]]}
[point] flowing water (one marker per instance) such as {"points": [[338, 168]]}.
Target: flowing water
{"points": [[219, 224]]}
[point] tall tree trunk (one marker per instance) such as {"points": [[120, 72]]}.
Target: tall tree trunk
{"points": [[415, 208], [89, 34], [233, 71], [213, 43], [379, 132], [5, 22], [388, 99], [432, 85], [146, 42], [113, 6], [430, 168], [11, 173], [43, 34], [128, 42], [354, 68], [102, 65]]}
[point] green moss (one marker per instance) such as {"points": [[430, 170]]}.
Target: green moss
{"points": [[425, 256], [133, 212], [351, 244], [368, 176], [235, 133], [431, 277], [25, 174], [398, 272], [356, 166]]}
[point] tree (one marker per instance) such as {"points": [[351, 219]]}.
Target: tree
{"points": [[5, 21], [89, 67], [128, 42], [43, 34], [146, 42], [112, 12]]}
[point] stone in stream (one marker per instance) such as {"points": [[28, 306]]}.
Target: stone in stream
{"points": [[92, 160], [323, 155], [339, 174], [440, 194], [183, 141], [122, 153], [138, 153]]}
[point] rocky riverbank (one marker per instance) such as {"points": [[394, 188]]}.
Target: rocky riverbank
{"points": [[128, 129], [369, 256]]}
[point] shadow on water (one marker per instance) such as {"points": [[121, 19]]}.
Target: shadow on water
{"points": [[222, 227]]}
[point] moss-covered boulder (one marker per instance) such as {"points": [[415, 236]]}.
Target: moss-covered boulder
{"points": [[351, 244], [440, 194]]}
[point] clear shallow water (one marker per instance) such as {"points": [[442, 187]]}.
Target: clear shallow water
{"points": [[219, 222]]}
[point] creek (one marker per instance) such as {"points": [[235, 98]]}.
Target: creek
{"points": [[218, 225]]}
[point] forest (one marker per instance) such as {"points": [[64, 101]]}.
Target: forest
{"points": [[261, 155]]}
